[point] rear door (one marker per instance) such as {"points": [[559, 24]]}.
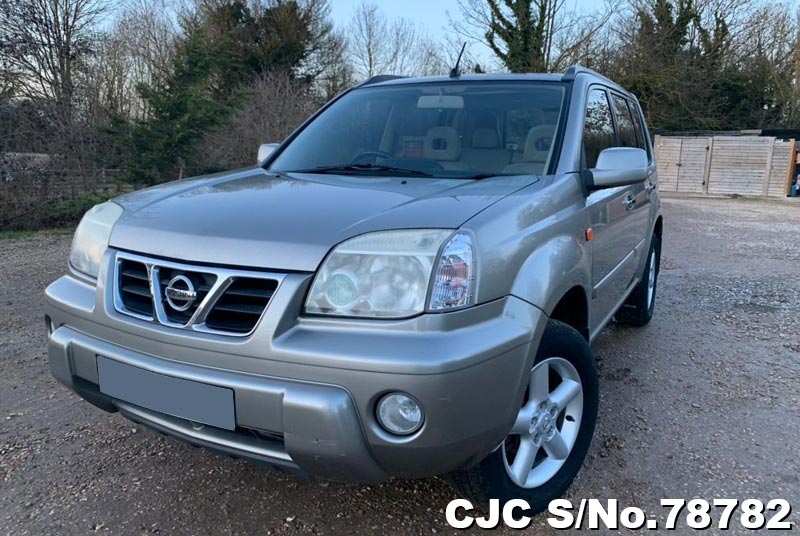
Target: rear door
{"points": [[613, 263], [626, 117]]}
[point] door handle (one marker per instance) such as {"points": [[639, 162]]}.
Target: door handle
{"points": [[629, 202]]}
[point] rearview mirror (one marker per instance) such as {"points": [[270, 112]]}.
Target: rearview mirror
{"points": [[618, 166], [264, 150], [440, 102]]}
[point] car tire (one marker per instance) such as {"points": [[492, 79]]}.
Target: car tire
{"points": [[565, 355], [638, 308]]}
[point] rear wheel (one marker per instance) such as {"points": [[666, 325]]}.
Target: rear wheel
{"points": [[551, 435], [638, 308]]}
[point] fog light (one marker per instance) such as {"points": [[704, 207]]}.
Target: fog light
{"points": [[400, 414]]}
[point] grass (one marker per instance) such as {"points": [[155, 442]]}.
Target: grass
{"points": [[19, 235]]}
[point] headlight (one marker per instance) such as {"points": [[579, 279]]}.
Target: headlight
{"points": [[92, 236], [388, 274]]}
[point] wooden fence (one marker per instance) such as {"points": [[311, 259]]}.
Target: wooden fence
{"points": [[745, 165]]}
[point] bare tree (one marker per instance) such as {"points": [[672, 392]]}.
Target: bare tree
{"points": [[277, 104], [334, 73], [46, 45], [146, 32], [148, 29], [44, 41], [380, 45]]}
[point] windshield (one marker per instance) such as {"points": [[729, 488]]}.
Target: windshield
{"points": [[453, 130]]}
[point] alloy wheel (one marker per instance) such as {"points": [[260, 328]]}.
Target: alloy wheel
{"points": [[547, 425], [651, 279]]}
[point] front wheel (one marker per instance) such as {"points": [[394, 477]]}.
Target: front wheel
{"points": [[552, 432]]}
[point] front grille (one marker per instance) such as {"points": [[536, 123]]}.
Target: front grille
{"points": [[241, 305], [181, 311], [134, 287], [211, 300]]}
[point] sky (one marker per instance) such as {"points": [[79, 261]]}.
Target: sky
{"points": [[432, 15]]}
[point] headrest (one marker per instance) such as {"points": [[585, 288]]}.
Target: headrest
{"points": [[485, 138], [441, 143], [538, 142]]}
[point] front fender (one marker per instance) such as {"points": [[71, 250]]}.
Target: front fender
{"points": [[533, 243], [555, 267]]}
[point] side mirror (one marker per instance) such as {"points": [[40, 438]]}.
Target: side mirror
{"points": [[264, 150], [618, 166]]}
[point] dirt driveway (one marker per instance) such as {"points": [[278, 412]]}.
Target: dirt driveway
{"points": [[701, 403]]}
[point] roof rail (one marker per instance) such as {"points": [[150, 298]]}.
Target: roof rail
{"points": [[377, 79], [570, 74]]}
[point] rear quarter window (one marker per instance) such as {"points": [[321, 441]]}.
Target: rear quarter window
{"points": [[641, 128]]}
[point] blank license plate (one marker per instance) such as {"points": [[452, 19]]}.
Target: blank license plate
{"points": [[199, 402]]}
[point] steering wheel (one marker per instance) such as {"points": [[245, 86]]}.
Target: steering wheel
{"points": [[367, 154]]}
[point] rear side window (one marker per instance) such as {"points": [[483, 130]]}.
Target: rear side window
{"points": [[625, 126], [598, 126], [638, 122]]}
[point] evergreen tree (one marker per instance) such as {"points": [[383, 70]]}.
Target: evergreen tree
{"points": [[520, 33]]}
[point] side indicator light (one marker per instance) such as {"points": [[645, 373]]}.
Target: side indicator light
{"points": [[589, 234]]}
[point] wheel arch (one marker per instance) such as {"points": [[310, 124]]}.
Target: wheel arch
{"points": [[556, 279], [573, 309], [658, 226]]}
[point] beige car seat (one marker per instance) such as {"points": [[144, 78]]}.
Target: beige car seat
{"points": [[486, 154], [536, 151], [443, 145]]}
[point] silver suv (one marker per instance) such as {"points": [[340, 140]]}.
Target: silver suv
{"points": [[407, 286]]}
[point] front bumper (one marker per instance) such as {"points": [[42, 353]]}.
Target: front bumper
{"points": [[305, 389]]}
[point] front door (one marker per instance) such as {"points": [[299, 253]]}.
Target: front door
{"points": [[610, 216]]}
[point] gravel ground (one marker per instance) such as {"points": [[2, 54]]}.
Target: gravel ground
{"points": [[701, 403]]}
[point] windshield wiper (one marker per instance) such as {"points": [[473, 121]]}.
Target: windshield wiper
{"points": [[360, 168], [480, 176]]}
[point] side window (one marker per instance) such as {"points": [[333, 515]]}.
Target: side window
{"points": [[638, 121], [637, 127], [598, 126], [627, 132]]}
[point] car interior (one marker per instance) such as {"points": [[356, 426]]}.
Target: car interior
{"points": [[501, 140]]}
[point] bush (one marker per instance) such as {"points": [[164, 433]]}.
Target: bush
{"points": [[54, 213]]}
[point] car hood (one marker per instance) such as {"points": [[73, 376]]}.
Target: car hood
{"points": [[290, 221]]}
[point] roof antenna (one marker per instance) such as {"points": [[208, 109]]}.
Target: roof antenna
{"points": [[455, 72]]}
